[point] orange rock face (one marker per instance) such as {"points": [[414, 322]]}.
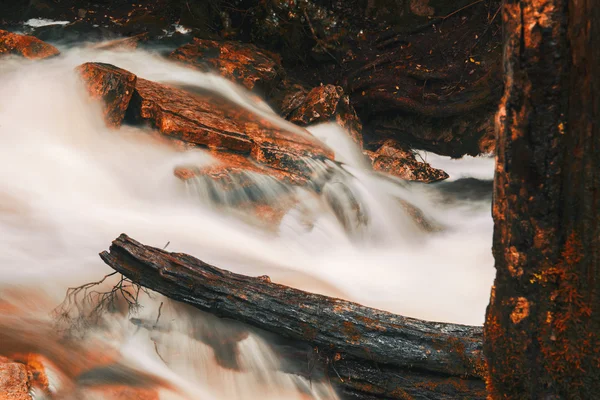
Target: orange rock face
{"points": [[242, 63], [392, 159], [112, 85], [211, 120], [327, 103], [14, 381], [202, 118], [26, 46]]}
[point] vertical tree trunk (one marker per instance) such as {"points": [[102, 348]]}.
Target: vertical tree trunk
{"points": [[542, 329]]}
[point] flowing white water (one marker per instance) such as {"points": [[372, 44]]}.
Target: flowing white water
{"points": [[69, 186]]}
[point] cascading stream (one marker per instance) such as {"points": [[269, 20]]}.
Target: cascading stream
{"points": [[69, 186]]}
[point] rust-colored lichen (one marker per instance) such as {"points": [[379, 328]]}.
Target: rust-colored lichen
{"points": [[521, 310], [568, 341], [351, 332]]}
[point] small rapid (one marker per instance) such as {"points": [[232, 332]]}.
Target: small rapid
{"points": [[69, 186]]}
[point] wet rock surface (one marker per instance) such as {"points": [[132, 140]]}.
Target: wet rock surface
{"points": [[25, 46], [328, 103], [114, 86], [394, 159], [213, 121], [228, 166], [242, 63], [202, 118], [205, 118]]}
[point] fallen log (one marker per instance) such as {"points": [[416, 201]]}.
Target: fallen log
{"points": [[364, 352]]}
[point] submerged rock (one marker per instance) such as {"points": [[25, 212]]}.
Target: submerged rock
{"points": [[25, 46], [114, 86], [393, 159], [229, 167], [243, 187], [242, 63]]}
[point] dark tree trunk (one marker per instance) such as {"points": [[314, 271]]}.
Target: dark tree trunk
{"points": [[542, 330], [365, 353]]}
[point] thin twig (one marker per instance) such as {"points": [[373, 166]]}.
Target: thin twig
{"points": [[154, 327], [158, 317]]}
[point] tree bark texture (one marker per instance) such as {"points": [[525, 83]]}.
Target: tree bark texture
{"points": [[542, 331], [365, 353]]}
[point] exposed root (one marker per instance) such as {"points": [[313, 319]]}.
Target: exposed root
{"points": [[85, 305]]}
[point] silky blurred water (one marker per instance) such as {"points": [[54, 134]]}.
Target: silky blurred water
{"points": [[69, 186]]}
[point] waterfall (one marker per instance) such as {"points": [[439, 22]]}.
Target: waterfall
{"points": [[69, 185]]}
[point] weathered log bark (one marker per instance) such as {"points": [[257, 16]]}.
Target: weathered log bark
{"points": [[543, 322], [368, 353]]}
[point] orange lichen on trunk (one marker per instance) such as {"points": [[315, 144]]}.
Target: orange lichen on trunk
{"points": [[543, 321]]}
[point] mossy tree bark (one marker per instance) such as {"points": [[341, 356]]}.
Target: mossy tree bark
{"points": [[542, 329]]}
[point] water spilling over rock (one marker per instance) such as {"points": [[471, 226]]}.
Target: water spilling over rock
{"points": [[335, 226]]}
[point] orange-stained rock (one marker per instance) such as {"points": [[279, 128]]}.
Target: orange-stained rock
{"points": [[288, 96], [319, 105], [27, 46], [36, 370], [230, 164], [14, 381], [208, 119], [393, 159], [127, 393], [128, 43], [242, 63], [326, 103], [112, 85]]}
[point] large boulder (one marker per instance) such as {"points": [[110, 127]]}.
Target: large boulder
{"points": [[25, 46], [114, 86], [242, 63], [392, 158], [210, 120], [202, 118]]}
